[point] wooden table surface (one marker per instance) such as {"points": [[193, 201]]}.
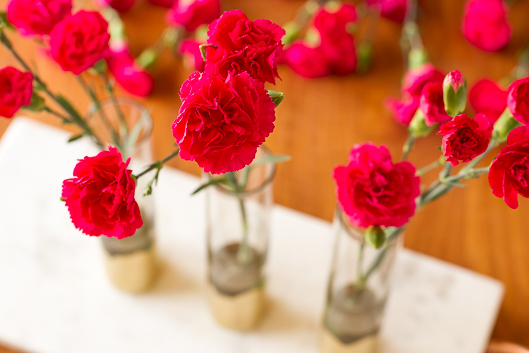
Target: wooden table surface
{"points": [[320, 120]]}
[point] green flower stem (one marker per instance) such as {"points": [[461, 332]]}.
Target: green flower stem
{"points": [[68, 108], [124, 133], [243, 254], [407, 147], [438, 162], [158, 164], [90, 92], [65, 119]]}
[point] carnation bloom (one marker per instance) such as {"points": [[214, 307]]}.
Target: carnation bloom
{"points": [[432, 104], [132, 78], [100, 197], [16, 89], [79, 41], [518, 100], [373, 191], [306, 61], [465, 138], [509, 172], [336, 43], [331, 23], [488, 98], [394, 10], [485, 24], [415, 79], [118, 5], [403, 110], [190, 50], [222, 121], [238, 44], [37, 17], [192, 14]]}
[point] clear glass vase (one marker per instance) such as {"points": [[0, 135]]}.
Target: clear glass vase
{"points": [[130, 263], [357, 290], [238, 230]]}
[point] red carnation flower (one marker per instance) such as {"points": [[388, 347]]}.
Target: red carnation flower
{"points": [[403, 110], [16, 89], [100, 197], [192, 14], [373, 191], [485, 24], [222, 121], [509, 173], [465, 138], [518, 100], [79, 41], [238, 44], [306, 61], [415, 79], [394, 10], [331, 23], [37, 17], [488, 98], [132, 78], [432, 104]]}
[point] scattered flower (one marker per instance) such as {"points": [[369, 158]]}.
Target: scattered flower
{"points": [[16, 89], [37, 17]]}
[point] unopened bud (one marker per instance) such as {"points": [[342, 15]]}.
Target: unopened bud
{"points": [[375, 237], [277, 97], [364, 58], [455, 93]]}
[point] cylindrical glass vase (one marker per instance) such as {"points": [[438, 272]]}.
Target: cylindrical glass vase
{"points": [[130, 263], [357, 290], [238, 230]]}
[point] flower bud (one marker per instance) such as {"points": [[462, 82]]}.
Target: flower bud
{"points": [[364, 57], [375, 237], [418, 127], [455, 93], [504, 125]]}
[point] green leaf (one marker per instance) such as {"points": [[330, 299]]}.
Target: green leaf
{"points": [[4, 22], [210, 183], [277, 97], [75, 138], [37, 104], [273, 158], [203, 49]]}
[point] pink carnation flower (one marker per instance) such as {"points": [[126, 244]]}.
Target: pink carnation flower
{"points": [[485, 24]]}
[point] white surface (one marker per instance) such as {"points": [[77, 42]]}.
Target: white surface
{"points": [[54, 297]]}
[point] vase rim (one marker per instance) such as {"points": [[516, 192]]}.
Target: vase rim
{"points": [[124, 101], [352, 230], [257, 189]]}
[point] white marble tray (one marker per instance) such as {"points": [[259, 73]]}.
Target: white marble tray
{"points": [[54, 297]]}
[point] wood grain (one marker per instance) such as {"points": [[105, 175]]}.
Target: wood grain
{"points": [[320, 120]]}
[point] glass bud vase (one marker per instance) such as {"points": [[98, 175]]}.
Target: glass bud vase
{"points": [[238, 229], [130, 263], [357, 290]]}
